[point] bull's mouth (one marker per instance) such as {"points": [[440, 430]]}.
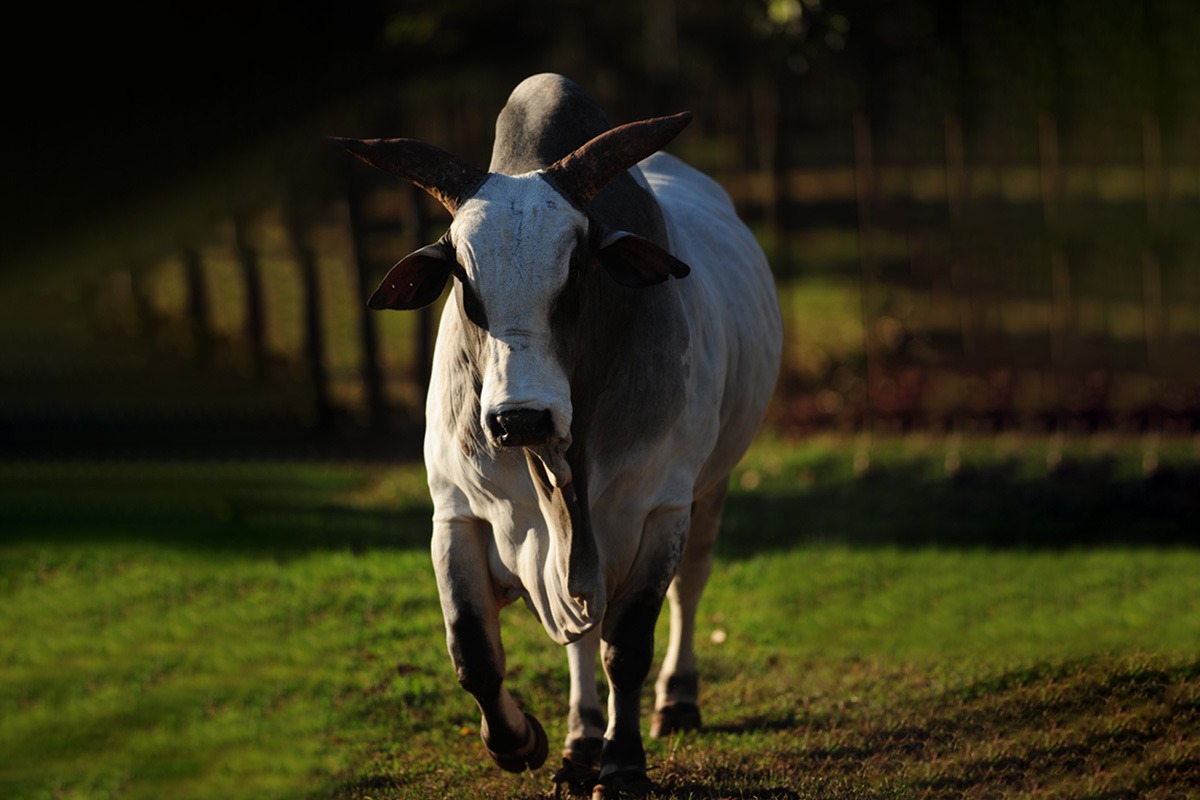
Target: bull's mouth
{"points": [[552, 456]]}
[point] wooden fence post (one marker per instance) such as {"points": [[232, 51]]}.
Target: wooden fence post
{"points": [[1153, 312], [956, 190], [314, 350], [865, 194], [1062, 310], [199, 335], [139, 321], [1152, 296], [368, 334], [254, 325], [970, 321]]}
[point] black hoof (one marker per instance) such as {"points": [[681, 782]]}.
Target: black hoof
{"points": [[576, 778], [584, 752], [628, 783], [581, 766], [531, 756], [675, 718]]}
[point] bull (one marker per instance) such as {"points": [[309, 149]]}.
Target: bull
{"points": [[606, 358]]}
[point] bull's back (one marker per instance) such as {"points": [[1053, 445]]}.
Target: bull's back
{"points": [[731, 302]]}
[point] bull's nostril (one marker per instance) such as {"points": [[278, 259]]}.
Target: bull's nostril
{"points": [[495, 428], [543, 426], [521, 427]]}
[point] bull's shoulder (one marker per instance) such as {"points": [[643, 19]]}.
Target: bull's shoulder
{"points": [[707, 233], [674, 180]]}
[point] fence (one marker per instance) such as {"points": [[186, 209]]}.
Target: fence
{"points": [[1044, 295], [950, 295]]}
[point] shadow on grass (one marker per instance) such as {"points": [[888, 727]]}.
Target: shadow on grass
{"points": [[1113, 727], [276, 510], [993, 506], [907, 504], [264, 530]]}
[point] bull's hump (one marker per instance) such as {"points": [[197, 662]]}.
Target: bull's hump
{"points": [[547, 116]]}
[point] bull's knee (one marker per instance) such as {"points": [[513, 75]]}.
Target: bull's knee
{"points": [[629, 650], [476, 664], [627, 664]]}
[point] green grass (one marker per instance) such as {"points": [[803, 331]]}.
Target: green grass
{"points": [[896, 618]]}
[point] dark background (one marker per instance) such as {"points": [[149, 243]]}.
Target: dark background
{"points": [[106, 102], [1057, 287]]}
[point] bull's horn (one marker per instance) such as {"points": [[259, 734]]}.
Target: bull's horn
{"points": [[449, 179], [582, 174]]}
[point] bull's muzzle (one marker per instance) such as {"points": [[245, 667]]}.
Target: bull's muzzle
{"points": [[522, 427]]}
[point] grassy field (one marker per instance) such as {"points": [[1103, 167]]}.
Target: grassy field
{"points": [[908, 617]]}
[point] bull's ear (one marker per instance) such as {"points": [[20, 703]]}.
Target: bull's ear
{"points": [[636, 262], [417, 280]]}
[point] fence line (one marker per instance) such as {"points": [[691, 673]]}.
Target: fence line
{"points": [[1007, 267]]}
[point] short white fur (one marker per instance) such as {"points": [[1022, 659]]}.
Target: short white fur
{"points": [[515, 238]]}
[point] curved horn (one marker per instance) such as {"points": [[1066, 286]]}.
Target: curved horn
{"points": [[447, 178], [582, 174]]}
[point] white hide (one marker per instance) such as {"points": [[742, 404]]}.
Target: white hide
{"points": [[514, 238], [517, 267], [732, 310]]}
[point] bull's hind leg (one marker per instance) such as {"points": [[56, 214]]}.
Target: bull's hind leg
{"points": [[677, 690], [628, 654], [471, 608]]}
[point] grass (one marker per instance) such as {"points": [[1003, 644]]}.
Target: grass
{"points": [[889, 618]]}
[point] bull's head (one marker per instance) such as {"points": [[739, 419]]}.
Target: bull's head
{"points": [[513, 246]]}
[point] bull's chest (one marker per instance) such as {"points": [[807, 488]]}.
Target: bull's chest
{"points": [[501, 493]]}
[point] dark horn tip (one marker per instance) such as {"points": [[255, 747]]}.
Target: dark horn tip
{"points": [[681, 119], [346, 143]]}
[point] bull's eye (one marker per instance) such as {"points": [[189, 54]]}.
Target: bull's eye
{"points": [[472, 307], [566, 306], [566, 303]]}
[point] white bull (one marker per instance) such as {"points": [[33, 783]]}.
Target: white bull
{"points": [[608, 355]]}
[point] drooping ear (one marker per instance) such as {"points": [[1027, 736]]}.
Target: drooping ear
{"points": [[416, 281], [636, 262]]}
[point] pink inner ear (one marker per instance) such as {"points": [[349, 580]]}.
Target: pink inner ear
{"points": [[416, 281]]}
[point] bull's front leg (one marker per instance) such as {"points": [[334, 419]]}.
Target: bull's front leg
{"points": [[585, 720], [471, 608], [628, 652]]}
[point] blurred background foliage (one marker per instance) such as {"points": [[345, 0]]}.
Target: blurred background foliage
{"points": [[982, 216]]}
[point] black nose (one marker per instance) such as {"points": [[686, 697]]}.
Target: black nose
{"points": [[521, 428]]}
